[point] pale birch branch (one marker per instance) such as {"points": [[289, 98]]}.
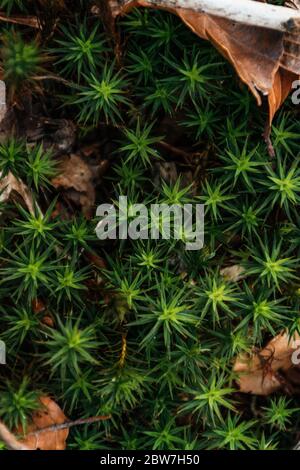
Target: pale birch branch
{"points": [[10, 440], [248, 12]]}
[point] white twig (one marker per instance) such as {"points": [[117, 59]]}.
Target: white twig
{"points": [[249, 12], [10, 440]]}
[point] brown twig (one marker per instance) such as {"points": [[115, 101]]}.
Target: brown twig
{"points": [[12, 442], [31, 21], [174, 150], [69, 424], [51, 77], [189, 157]]}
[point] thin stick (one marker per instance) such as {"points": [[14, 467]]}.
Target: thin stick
{"points": [[69, 424], [12, 442], [31, 21], [174, 150], [248, 12], [51, 77]]}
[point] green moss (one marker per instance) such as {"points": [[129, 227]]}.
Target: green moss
{"points": [[151, 338]]}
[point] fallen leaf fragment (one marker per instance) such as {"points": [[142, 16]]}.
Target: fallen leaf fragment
{"points": [[266, 60], [281, 88], [76, 176], [259, 373], [54, 412], [233, 273], [50, 414], [10, 186]]}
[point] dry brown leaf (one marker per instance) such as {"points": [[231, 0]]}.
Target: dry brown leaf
{"points": [[259, 373], [48, 430], [281, 88], [10, 186], [50, 414], [266, 60], [76, 176]]}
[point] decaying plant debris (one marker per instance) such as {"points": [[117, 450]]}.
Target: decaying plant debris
{"points": [[123, 344], [266, 60]]}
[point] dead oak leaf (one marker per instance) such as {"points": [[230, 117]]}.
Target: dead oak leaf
{"points": [[266, 60], [258, 373], [36, 437]]}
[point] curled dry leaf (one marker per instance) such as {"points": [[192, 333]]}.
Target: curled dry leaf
{"points": [[76, 177], [10, 186], [260, 373], [50, 414], [266, 60]]}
